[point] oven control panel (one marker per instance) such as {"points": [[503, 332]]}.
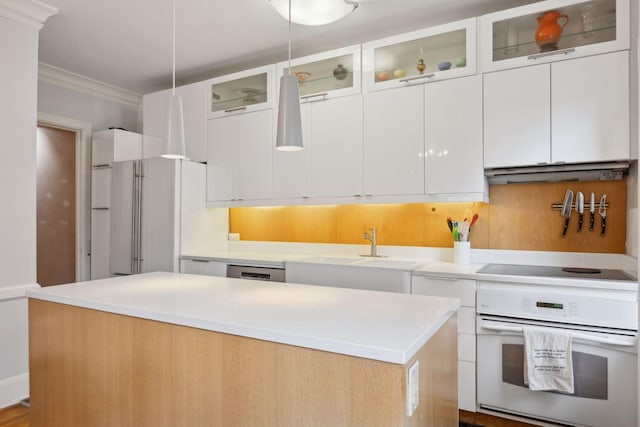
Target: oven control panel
{"points": [[615, 309]]}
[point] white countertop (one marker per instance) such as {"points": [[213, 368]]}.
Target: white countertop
{"points": [[258, 259], [374, 325]]}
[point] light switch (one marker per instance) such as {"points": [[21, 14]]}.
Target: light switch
{"points": [[234, 236], [413, 387]]}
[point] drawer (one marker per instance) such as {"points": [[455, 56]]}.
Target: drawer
{"points": [[206, 267], [467, 320], [467, 347], [464, 289], [467, 386]]}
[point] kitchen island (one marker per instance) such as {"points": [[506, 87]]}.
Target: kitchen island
{"points": [[167, 349]]}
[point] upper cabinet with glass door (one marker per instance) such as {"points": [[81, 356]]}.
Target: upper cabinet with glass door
{"points": [[553, 30], [432, 54], [242, 92], [326, 75]]}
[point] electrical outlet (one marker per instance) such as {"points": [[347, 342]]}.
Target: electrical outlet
{"points": [[413, 387], [234, 236]]}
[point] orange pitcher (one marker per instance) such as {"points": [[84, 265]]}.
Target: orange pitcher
{"points": [[549, 31]]}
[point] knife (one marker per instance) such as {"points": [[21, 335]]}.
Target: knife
{"points": [[592, 209], [566, 210], [580, 209], [602, 210]]}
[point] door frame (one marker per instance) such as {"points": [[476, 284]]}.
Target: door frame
{"points": [[83, 131]]}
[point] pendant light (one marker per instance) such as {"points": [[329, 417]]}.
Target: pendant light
{"points": [[174, 147], [289, 135]]}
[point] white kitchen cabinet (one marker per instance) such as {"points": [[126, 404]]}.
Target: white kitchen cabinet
{"points": [[154, 120], [517, 111], [100, 188], [393, 61], [243, 92], [292, 169], [593, 27], [565, 112], [203, 266], [114, 145], [336, 147], [100, 242], [325, 75], [239, 157], [590, 109], [465, 290], [394, 141], [453, 139]]}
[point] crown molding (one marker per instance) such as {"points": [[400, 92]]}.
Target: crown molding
{"points": [[60, 77], [32, 13]]}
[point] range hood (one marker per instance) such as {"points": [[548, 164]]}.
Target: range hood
{"points": [[606, 171]]}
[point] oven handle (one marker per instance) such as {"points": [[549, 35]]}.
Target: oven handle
{"points": [[594, 338]]}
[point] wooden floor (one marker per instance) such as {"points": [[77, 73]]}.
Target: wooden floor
{"points": [[18, 416]]}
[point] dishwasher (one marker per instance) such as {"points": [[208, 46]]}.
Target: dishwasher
{"points": [[269, 274]]}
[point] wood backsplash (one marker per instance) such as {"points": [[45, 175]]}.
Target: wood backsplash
{"points": [[519, 217]]}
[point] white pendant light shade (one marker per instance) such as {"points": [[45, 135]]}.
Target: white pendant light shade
{"points": [[174, 147], [289, 136], [315, 12]]}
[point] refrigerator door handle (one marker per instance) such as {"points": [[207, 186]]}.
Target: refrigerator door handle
{"points": [[134, 202], [139, 233]]}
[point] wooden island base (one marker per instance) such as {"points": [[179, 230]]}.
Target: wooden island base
{"points": [[93, 368]]}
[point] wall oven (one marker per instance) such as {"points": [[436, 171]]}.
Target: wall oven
{"points": [[602, 318]]}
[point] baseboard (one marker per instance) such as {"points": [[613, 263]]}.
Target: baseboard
{"points": [[13, 390]]}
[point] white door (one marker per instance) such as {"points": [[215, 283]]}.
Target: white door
{"points": [[122, 218], [255, 147], [336, 129], [453, 128], [221, 158], [292, 169], [590, 109], [517, 117], [394, 141]]}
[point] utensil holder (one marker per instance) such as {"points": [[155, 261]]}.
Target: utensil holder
{"points": [[462, 252]]}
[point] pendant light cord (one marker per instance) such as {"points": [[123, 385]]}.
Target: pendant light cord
{"points": [[174, 48], [289, 36]]}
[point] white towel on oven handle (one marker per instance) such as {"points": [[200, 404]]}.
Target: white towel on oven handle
{"points": [[548, 362]]}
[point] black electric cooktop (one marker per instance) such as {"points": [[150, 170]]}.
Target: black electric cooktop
{"points": [[558, 272]]}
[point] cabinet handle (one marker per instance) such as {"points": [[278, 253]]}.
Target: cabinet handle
{"points": [[368, 195], [308, 97], [357, 195], [102, 166], [553, 52], [304, 197], [410, 79], [200, 260], [231, 110], [100, 209]]}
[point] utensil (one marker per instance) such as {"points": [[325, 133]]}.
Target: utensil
{"points": [[566, 210], [449, 223], [592, 209], [473, 220], [602, 210], [580, 209]]}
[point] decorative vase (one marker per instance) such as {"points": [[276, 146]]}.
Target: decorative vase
{"points": [[549, 31], [340, 73], [421, 67]]}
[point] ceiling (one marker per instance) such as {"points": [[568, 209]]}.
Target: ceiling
{"points": [[127, 43]]}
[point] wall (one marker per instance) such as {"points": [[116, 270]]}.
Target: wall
{"points": [[519, 217], [100, 112], [18, 77]]}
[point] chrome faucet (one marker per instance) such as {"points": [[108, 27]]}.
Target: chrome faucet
{"points": [[374, 245]]}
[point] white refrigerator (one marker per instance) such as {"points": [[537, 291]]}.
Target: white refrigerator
{"points": [[156, 211]]}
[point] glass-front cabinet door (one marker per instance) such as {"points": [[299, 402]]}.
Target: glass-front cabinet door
{"points": [[553, 30], [436, 53], [242, 92], [326, 75]]}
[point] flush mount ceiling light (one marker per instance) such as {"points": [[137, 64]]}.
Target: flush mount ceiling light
{"points": [[174, 146], [315, 12]]}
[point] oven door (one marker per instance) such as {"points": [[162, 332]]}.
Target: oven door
{"points": [[605, 376]]}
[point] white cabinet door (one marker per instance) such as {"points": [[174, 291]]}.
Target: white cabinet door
{"points": [[203, 266], [292, 169], [221, 159], [115, 145], [467, 386], [590, 109], [394, 141], [101, 188], [336, 129], [255, 150], [194, 101], [453, 129], [100, 243], [517, 126]]}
